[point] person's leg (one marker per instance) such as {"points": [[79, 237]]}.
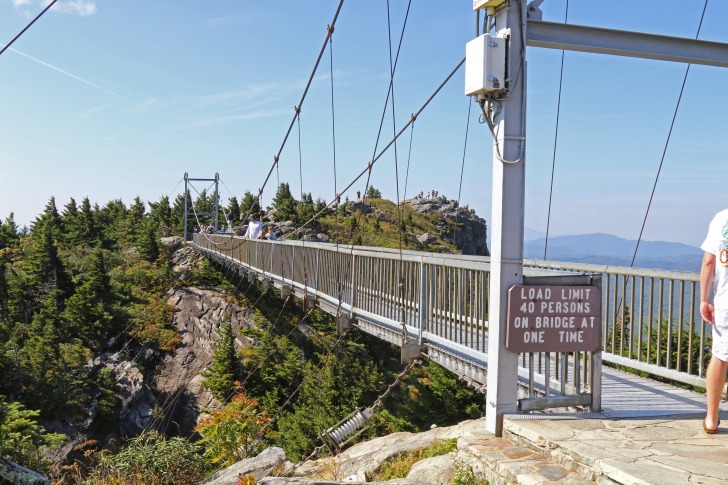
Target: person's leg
{"points": [[715, 379]]}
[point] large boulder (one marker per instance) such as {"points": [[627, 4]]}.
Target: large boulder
{"points": [[470, 232], [259, 467]]}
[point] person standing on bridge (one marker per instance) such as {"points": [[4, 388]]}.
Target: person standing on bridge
{"points": [[714, 277], [255, 228]]}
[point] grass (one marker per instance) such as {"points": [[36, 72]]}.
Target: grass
{"points": [[400, 465]]}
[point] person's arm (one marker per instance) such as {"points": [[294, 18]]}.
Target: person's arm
{"points": [[707, 272]]}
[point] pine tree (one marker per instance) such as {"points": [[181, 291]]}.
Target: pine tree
{"points": [[88, 312], [135, 220], [49, 218], [225, 370], [47, 273], [22, 439], [161, 213], [9, 232], [147, 241], [249, 205], [284, 203], [178, 214], [87, 231]]}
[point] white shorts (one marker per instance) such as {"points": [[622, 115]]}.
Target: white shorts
{"points": [[720, 335]]}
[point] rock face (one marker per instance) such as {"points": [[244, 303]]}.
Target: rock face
{"points": [[198, 313], [259, 467], [472, 230]]}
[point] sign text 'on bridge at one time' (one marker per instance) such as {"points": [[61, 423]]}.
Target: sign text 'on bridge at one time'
{"points": [[554, 318]]}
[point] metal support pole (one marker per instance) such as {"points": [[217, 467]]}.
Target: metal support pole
{"points": [[187, 196], [507, 218], [217, 200]]}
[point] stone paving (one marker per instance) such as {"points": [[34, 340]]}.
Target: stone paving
{"points": [[666, 450]]}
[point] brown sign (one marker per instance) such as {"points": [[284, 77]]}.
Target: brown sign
{"points": [[554, 318]]}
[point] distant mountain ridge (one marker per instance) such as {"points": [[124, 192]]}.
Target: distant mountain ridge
{"points": [[602, 248]]}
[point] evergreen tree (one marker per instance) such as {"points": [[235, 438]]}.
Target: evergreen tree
{"points": [[178, 214], [147, 241], [50, 219], [373, 193], [161, 213], [88, 312], [284, 203], [69, 219], [305, 209], [135, 220], [249, 205], [225, 370], [8, 232], [22, 439], [88, 234], [111, 220], [45, 269]]}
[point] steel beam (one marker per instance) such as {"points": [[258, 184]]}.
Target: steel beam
{"points": [[554, 35]]}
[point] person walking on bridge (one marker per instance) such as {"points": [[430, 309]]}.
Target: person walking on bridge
{"points": [[714, 276]]}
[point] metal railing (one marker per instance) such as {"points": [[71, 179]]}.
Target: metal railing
{"points": [[440, 301], [651, 320]]}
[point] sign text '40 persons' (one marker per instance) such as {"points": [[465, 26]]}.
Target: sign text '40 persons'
{"points": [[554, 318]]}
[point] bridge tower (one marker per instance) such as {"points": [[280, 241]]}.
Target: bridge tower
{"points": [[214, 214]]}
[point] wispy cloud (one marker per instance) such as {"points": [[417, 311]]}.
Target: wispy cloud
{"points": [[84, 8], [94, 110], [66, 73]]}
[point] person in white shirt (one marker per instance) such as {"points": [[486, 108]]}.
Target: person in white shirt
{"points": [[714, 278], [255, 228]]}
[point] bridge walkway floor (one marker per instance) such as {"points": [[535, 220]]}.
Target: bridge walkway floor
{"points": [[647, 433]]}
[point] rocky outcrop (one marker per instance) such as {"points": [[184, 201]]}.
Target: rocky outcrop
{"points": [[18, 475], [198, 313], [358, 463], [269, 461], [471, 231]]}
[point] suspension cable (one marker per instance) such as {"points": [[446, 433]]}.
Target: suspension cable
{"points": [[667, 142], [389, 91], [384, 150], [462, 171], [556, 137], [303, 96], [409, 157], [7, 46]]}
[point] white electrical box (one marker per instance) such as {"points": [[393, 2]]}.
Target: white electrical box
{"points": [[477, 4], [485, 65]]}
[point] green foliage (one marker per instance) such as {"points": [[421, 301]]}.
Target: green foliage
{"points": [[373, 193], [464, 475], [22, 439], [225, 371], [400, 465], [284, 204], [235, 432], [152, 459], [249, 205]]}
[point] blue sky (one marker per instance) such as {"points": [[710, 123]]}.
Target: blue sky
{"points": [[119, 99]]}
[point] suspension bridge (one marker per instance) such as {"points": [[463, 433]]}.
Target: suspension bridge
{"points": [[453, 308]]}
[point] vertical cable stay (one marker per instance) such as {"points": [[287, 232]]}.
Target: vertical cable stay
{"points": [[556, 137], [303, 96], [386, 101], [400, 272], [667, 143], [462, 171], [12, 41], [409, 157]]}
